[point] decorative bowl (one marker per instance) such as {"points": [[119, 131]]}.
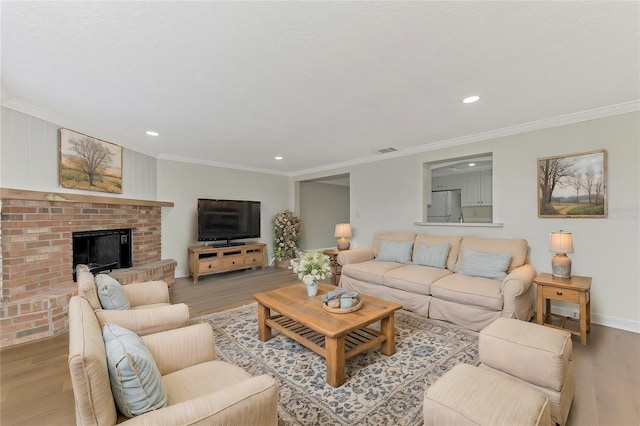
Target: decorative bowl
{"points": [[343, 311]]}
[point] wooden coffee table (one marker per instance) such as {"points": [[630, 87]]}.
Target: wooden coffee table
{"points": [[335, 337]]}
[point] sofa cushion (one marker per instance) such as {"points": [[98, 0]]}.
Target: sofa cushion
{"points": [[150, 306], [517, 248], [414, 278], [432, 240], [195, 381], [435, 256], [391, 236], [111, 294], [394, 251], [371, 271], [135, 380], [474, 291], [487, 265]]}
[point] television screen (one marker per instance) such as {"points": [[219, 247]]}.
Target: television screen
{"points": [[228, 219]]}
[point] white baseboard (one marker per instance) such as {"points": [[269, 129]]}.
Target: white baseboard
{"points": [[607, 321]]}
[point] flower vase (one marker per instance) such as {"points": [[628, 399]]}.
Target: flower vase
{"points": [[312, 289]]}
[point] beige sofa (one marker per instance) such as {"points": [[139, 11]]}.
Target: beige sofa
{"points": [[444, 293], [201, 390]]}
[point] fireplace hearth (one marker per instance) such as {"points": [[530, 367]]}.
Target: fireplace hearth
{"points": [[102, 250]]}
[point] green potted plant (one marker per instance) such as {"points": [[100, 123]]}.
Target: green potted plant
{"points": [[286, 227]]}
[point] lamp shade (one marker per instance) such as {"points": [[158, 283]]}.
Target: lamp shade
{"points": [[561, 242], [343, 230]]}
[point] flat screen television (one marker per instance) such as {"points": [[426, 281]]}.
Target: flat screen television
{"points": [[226, 220]]}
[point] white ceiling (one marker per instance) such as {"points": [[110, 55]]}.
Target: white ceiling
{"points": [[319, 83]]}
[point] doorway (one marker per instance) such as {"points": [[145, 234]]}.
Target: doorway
{"points": [[323, 203]]}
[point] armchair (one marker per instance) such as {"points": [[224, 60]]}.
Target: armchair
{"points": [[150, 312], [200, 389]]}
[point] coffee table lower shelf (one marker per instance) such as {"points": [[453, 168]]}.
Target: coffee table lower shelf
{"points": [[356, 342]]}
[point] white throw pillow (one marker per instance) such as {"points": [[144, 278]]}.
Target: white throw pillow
{"points": [[394, 251], [111, 294], [487, 265], [136, 382], [435, 256]]}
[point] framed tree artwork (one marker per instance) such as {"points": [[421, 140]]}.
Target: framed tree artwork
{"points": [[89, 163], [573, 186]]}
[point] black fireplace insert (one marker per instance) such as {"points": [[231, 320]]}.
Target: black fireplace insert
{"points": [[102, 250]]}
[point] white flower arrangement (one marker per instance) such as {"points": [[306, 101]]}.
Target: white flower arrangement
{"points": [[311, 267]]}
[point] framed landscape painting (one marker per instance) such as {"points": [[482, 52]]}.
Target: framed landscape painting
{"points": [[89, 163], [573, 185]]}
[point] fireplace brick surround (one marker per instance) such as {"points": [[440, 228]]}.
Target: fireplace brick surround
{"points": [[37, 260]]}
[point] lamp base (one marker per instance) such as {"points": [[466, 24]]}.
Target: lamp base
{"points": [[561, 266], [343, 244]]}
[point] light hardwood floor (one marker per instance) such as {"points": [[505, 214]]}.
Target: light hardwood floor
{"points": [[36, 387]]}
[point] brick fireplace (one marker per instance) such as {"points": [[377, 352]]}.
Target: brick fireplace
{"points": [[37, 260]]}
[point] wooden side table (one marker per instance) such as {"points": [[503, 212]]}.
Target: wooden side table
{"points": [[575, 290], [336, 269]]}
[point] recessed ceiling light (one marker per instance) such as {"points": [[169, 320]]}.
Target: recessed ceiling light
{"points": [[470, 99], [472, 164], [278, 158], [152, 133]]}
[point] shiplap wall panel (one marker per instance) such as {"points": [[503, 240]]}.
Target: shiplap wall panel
{"points": [[29, 159], [20, 153], [51, 174], [36, 154], [5, 149]]}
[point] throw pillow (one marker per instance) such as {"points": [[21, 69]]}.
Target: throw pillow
{"points": [[111, 294], [435, 256], [394, 251], [135, 379], [487, 265]]}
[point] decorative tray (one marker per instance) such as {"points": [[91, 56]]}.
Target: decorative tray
{"points": [[343, 311]]}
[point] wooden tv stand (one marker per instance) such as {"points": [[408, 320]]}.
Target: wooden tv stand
{"points": [[207, 260]]}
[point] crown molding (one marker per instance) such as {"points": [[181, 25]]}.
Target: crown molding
{"points": [[561, 120], [546, 123], [531, 126]]}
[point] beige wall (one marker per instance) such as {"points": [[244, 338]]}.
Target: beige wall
{"points": [[386, 196], [184, 183], [322, 205]]}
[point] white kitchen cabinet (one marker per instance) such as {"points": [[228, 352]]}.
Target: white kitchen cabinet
{"points": [[446, 183], [486, 180], [477, 189]]}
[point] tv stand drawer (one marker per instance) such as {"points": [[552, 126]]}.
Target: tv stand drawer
{"points": [[254, 260], [232, 262], [209, 266]]}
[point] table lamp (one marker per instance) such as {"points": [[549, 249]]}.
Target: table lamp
{"points": [[561, 243], [343, 231]]}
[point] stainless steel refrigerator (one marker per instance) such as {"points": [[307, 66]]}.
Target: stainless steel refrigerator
{"points": [[445, 207]]}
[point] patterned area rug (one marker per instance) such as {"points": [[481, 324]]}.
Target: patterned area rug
{"points": [[379, 390]]}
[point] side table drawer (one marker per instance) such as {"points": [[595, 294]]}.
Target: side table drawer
{"points": [[561, 294]]}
